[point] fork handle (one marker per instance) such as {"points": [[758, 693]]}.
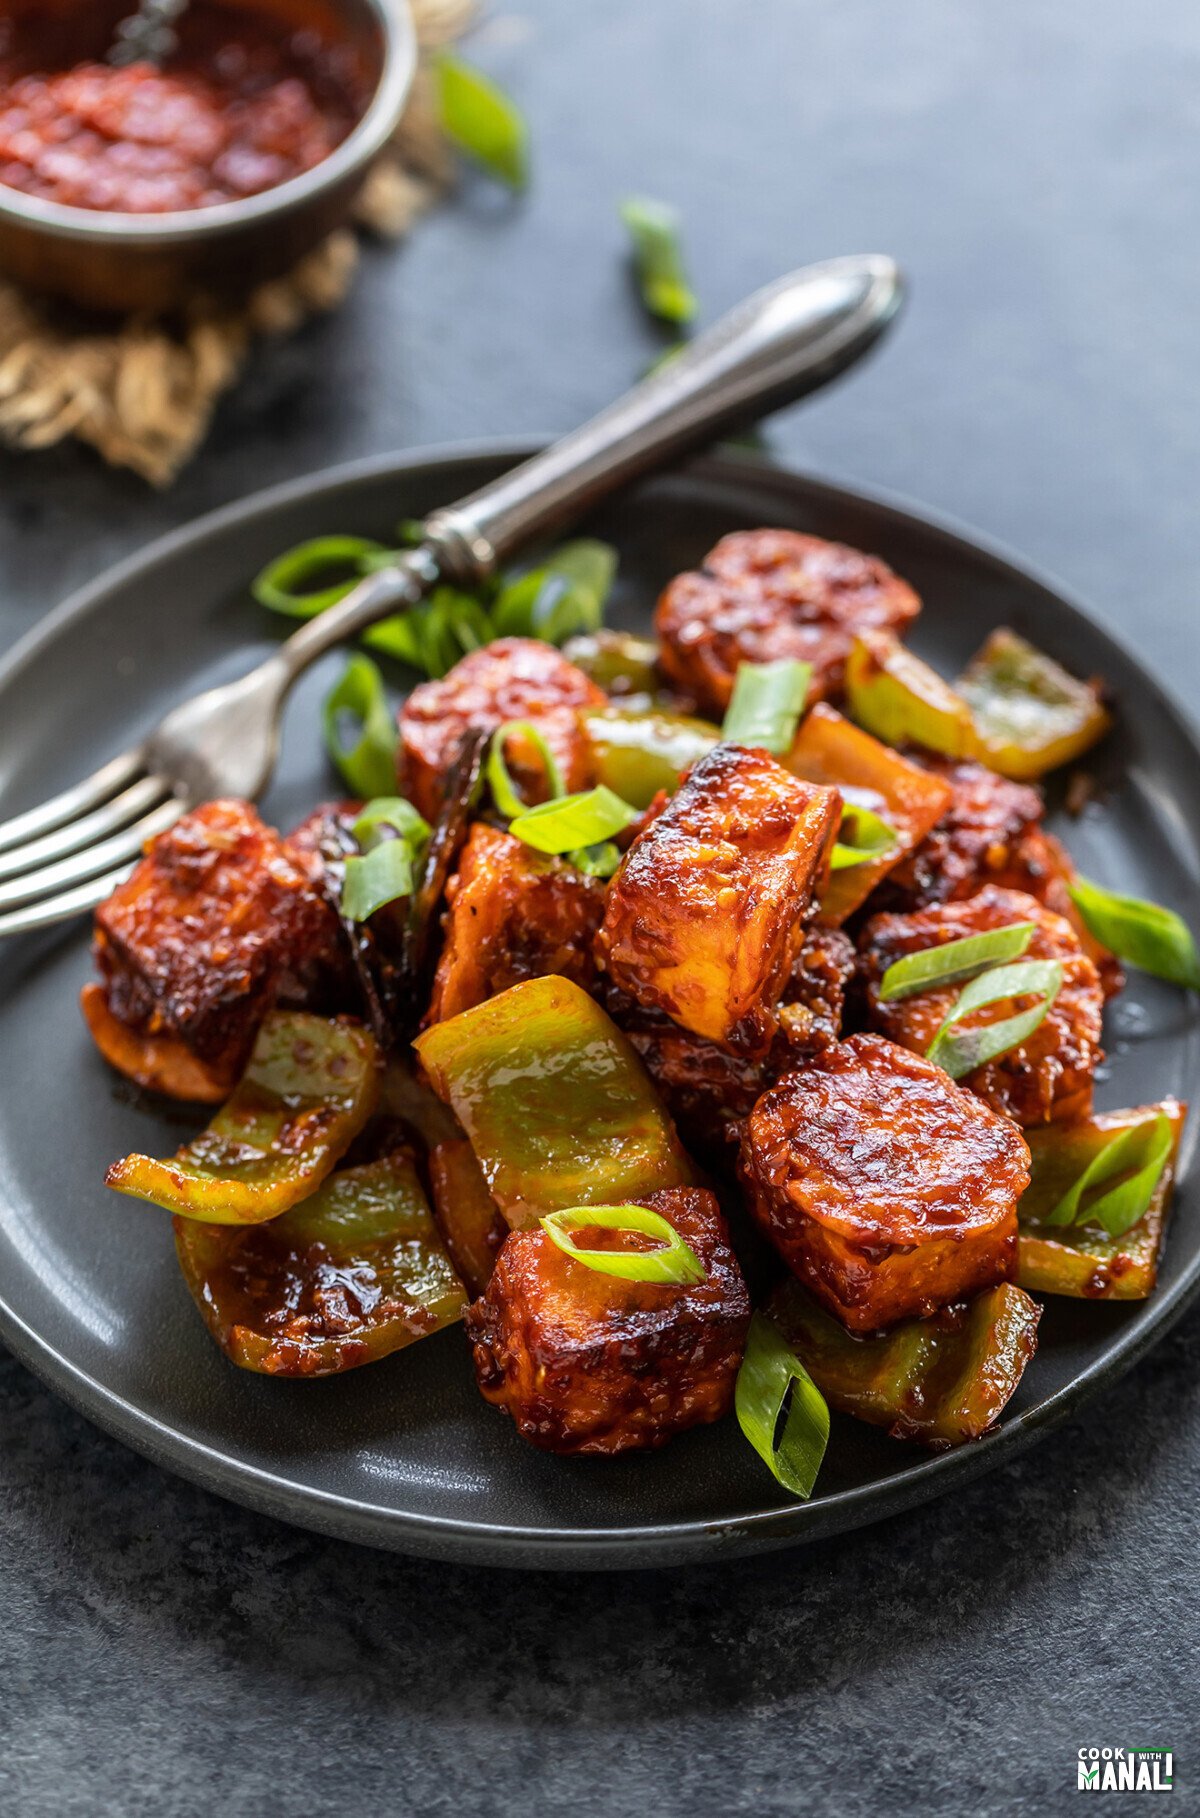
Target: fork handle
{"points": [[782, 342]]}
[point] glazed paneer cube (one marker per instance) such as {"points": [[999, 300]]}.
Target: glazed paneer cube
{"points": [[765, 594], [887, 1189], [217, 921], [511, 679], [591, 1363], [707, 1089], [705, 917], [513, 914], [1047, 1078]]}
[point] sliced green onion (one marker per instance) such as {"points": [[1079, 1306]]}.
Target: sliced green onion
{"points": [[773, 1385], [368, 765], [482, 121], [382, 875], [960, 1051], [869, 837], [597, 861], [586, 819], [564, 598], [1135, 1159], [953, 962], [394, 812], [1143, 934], [767, 701], [285, 585], [504, 790], [658, 256], [675, 1262]]}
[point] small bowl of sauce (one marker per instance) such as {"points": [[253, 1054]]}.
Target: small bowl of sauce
{"points": [[138, 187]]}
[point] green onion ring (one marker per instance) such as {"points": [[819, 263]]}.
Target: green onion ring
{"points": [[500, 782], [959, 1052], [675, 1263], [953, 962], [280, 585], [1143, 934], [585, 819], [1140, 1153], [773, 1383], [766, 704]]}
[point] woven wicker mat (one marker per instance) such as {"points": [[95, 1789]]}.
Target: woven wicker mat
{"points": [[143, 393]]}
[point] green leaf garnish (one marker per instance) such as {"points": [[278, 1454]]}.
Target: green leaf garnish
{"points": [[482, 121], [953, 962], [287, 584], [658, 256], [960, 1051], [1134, 1159], [381, 876], [1143, 934], [564, 598], [773, 1384], [675, 1262], [766, 704], [504, 790], [585, 819], [367, 762], [867, 836]]}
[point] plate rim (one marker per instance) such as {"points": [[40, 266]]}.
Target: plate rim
{"points": [[574, 1547]]}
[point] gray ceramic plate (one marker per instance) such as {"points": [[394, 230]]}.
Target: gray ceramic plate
{"points": [[406, 1454]]}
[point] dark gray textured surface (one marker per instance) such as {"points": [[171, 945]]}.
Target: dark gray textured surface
{"points": [[1033, 167]]}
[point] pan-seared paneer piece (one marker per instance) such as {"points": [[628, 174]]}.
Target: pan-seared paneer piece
{"points": [[217, 921], [1046, 1078], [887, 1189], [704, 920], [513, 914], [511, 679], [980, 839], [585, 1362], [707, 1089], [765, 594]]}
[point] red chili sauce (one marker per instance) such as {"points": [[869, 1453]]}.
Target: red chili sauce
{"points": [[243, 104]]}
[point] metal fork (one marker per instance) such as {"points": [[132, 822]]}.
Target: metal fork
{"points": [[63, 858]]}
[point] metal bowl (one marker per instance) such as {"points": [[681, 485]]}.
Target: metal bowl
{"points": [[115, 261]]}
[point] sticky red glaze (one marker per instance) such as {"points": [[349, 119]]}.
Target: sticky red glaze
{"points": [[513, 914], [216, 923], [979, 840], [243, 105], [706, 1089], [1047, 1078], [512, 679], [705, 917], [766, 594], [589, 1363], [885, 1187]]}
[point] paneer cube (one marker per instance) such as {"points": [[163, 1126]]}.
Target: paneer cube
{"points": [[591, 1363], [887, 1189], [765, 594], [705, 917], [216, 921], [1047, 1078], [510, 679], [513, 914]]}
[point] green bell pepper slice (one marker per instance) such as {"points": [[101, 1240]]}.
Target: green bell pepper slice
{"points": [[351, 1274], [940, 1381], [310, 1087], [617, 661], [1083, 1260], [557, 1106], [636, 754]]}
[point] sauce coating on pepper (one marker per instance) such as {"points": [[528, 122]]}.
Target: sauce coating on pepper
{"points": [[244, 104]]}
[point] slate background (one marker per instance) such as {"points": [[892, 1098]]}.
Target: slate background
{"points": [[1034, 169]]}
